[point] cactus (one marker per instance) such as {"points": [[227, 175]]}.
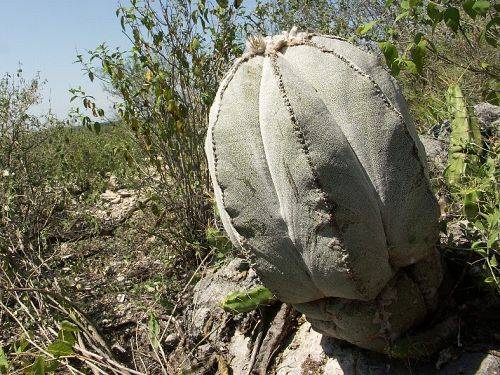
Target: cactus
{"points": [[465, 137], [320, 180]]}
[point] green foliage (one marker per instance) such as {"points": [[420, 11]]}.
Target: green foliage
{"points": [[166, 84], [491, 92], [472, 176], [391, 56], [475, 8], [363, 29], [4, 362], [434, 43], [46, 167], [476, 193], [218, 241], [44, 363], [42, 366], [435, 13], [248, 300], [44, 164], [38, 367], [63, 345], [488, 228], [322, 16], [451, 17], [420, 15], [84, 159]]}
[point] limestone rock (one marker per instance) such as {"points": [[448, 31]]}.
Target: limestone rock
{"points": [[488, 116], [304, 350]]}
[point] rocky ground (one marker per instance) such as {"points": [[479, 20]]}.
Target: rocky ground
{"points": [[136, 292], [114, 267], [279, 340]]}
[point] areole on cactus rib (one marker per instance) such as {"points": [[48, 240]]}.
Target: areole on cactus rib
{"points": [[319, 177]]}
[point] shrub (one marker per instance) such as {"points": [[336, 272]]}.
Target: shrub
{"points": [[44, 168], [166, 85]]}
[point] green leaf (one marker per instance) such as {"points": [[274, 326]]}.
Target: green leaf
{"points": [[492, 239], [479, 225], [494, 219], [137, 35], [388, 3], [222, 3], [490, 33], [418, 54], [363, 29], [21, 345], [476, 245], [158, 38], [481, 7], [60, 348], [218, 240], [157, 211], [97, 128], [154, 330], [411, 67], [51, 366], [38, 367], [491, 92], [480, 251], [418, 37], [195, 44], [401, 16], [4, 362], [91, 76], [492, 96], [471, 204], [434, 12], [451, 17], [67, 331], [248, 300], [493, 261], [468, 8], [391, 56]]}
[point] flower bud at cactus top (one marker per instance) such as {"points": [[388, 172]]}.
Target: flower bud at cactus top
{"points": [[317, 170]]}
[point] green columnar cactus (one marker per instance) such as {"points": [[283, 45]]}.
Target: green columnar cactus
{"points": [[320, 179], [465, 134]]}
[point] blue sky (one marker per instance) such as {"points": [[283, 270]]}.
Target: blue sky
{"points": [[45, 35]]}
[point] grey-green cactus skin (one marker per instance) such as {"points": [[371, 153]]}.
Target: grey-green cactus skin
{"points": [[320, 179]]}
